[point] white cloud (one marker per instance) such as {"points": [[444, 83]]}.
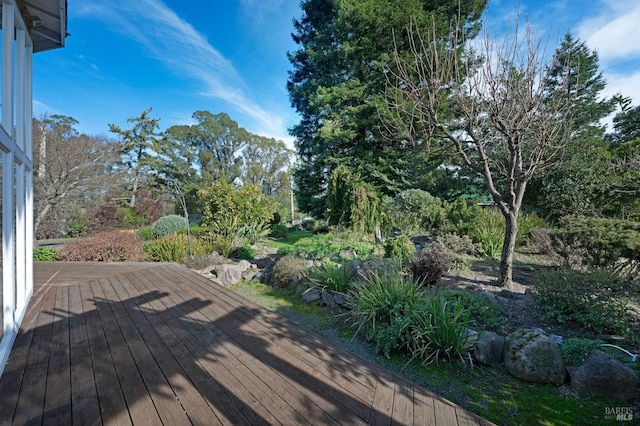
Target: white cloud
{"points": [[183, 50], [614, 33]]}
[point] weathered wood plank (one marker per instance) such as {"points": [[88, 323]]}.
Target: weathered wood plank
{"points": [[57, 408], [32, 390], [403, 403], [445, 413], [84, 396], [113, 408], [237, 322]]}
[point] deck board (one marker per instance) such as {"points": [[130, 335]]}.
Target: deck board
{"points": [[150, 344]]}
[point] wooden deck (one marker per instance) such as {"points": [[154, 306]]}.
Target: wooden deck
{"points": [[149, 344]]}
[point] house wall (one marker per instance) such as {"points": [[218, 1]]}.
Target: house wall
{"points": [[16, 167]]}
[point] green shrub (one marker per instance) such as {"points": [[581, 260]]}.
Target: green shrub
{"points": [[76, 225], [219, 243], [378, 265], [400, 247], [460, 249], [128, 216], [489, 232], [329, 245], [380, 307], [168, 225], [248, 205], [146, 233], [45, 254], [430, 265], [175, 248], [308, 224], [246, 253], [111, 246], [484, 313], [593, 301], [199, 231], [413, 211], [576, 350], [168, 248], [461, 217], [288, 270], [254, 232], [279, 230], [599, 243], [438, 329], [331, 276]]}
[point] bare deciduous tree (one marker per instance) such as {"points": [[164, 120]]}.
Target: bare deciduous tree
{"points": [[492, 102], [71, 167]]}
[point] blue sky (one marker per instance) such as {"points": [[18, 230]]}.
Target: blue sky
{"points": [[180, 56]]}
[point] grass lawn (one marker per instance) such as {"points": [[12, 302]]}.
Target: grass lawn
{"points": [[291, 238]]}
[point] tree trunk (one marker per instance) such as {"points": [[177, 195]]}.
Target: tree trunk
{"points": [[134, 191], [505, 275], [40, 217]]}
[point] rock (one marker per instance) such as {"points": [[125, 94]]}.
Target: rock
{"points": [[534, 357], [311, 295], [327, 298], [230, 273], [602, 375], [340, 299], [266, 262], [489, 295], [489, 348], [471, 337], [347, 253]]}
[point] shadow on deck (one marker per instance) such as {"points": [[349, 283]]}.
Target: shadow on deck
{"points": [[159, 344]]}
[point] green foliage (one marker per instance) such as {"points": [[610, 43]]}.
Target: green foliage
{"points": [[146, 233], [329, 245], [111, 246], [288, 270], [400, 247], [461, 217], [378, 265], [76, 225], [175, 248], [380, 306], [459, 249], [438, 329], [489, 232], [484, 313], [576, 350], [351, 202], [413, 211], [612, 244], [308, 224], [168, 225], [430, 265], [220, 244], [246, 253], [593, 301], [128, 216], [237, 213], [331, 276], [45, 254], [279, 230], [254, 232]]}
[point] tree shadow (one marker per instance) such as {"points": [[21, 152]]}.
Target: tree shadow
{"points": [[110, 352]]}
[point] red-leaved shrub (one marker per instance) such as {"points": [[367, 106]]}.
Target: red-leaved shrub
{"points": [[111, 246]]}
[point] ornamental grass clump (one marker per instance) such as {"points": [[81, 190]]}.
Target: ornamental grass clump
{"points": [[380, 307], [331, 276], [438, 330]]}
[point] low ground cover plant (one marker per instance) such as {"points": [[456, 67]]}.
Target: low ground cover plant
{"points": [[110, 246], [329, 245], [45, 254]]}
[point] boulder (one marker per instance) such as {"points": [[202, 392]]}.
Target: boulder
{"points": [[534, 357], [602, 375], [230, 273], [311, 295], [327, 298], [347, 253], [489, 348], [340, 299]]}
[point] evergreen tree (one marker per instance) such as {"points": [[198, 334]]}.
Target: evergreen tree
{"points": [[338, 82]]}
